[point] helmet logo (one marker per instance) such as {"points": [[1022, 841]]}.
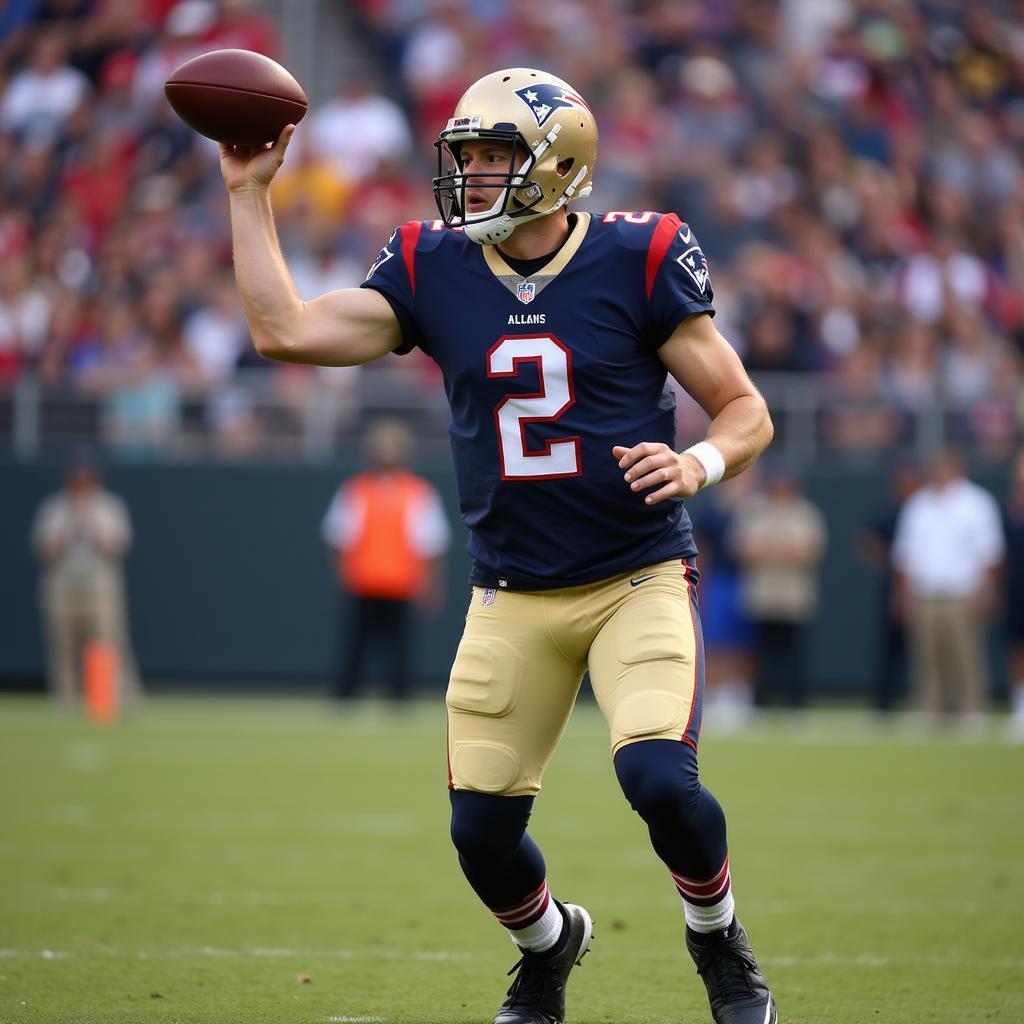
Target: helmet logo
{"points": [[544, 98], [525, 291]]}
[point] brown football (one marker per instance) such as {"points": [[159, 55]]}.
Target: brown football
{"points": [[236, 96]]}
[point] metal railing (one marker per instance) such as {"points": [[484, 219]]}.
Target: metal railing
{"points": [[311, 415]]}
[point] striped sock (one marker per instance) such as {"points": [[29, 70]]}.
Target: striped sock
{"points": [[708, 905], [534, 923]]}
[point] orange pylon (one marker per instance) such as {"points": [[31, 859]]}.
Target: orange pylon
{"points": [[100, 671]]}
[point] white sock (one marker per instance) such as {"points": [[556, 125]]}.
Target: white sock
{"points": [[696, 894], [544, 917], [543, 933], [710, 919]]}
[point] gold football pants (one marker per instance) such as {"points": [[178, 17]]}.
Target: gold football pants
{"points": [[522, 658]]}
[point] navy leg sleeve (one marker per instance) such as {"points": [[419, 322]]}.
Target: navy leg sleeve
{"points": [[687, 825], [500, 861]]}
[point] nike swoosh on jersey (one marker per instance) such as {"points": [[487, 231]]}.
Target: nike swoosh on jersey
{"points": [[637, 580]]}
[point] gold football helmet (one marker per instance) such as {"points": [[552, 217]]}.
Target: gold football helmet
{"points": [[544, 121]]}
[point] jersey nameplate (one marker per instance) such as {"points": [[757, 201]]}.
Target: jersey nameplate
{"points": [[527, 318]]}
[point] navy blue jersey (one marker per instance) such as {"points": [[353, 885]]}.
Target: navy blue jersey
{"points": [[544, 374]]}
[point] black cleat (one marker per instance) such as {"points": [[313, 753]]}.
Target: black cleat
{"points": [[736, 988], [537, 996]]}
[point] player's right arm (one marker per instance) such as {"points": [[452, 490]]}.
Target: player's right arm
{"points": [[340, 328]]}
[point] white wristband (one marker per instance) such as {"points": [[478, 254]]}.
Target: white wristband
{"points": [[711, 459]]}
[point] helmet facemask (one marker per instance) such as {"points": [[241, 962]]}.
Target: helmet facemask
{"points": [[516, 193]]}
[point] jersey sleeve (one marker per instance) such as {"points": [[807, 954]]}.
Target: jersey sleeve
{"points": [[677, 278], [393, 274]]}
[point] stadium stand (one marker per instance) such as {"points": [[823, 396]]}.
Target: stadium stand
{"points": [[854, 175]]}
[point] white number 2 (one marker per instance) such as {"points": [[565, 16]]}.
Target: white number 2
{"points": [[559, 457]]}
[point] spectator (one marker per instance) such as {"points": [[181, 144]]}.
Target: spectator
{"points": [[946, 554], [239, 26], [875, 546], [387, 531], [434, 64], [24, 318], [947, 272], [184, 32], [311, 192], [358, 129], [728, 635], [779, 537], [138, 389], [215, 334], [859, 421], [41, 97], [81, 536]]}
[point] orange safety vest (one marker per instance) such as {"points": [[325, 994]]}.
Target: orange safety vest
{"points": [[382, 561]]}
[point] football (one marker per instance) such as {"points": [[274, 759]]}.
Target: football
{"points": [[238, 97]]}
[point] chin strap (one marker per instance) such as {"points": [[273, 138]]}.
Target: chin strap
{"points": [[491, 232]]}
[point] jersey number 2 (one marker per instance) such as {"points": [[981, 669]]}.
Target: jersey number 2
{"points": [[559, 457]]}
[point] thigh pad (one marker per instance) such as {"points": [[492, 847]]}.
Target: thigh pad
{"points": [[645, 665], [509, 696]]}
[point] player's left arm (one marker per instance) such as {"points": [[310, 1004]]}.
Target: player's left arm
{"points": [[707, 368]]}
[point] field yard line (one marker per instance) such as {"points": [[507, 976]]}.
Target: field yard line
{"points": [[81, 895], [867, 960], [871, 960], [43, 954], [429, 955]]}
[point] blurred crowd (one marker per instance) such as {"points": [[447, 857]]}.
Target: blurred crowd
{"points": [[852, 168]]}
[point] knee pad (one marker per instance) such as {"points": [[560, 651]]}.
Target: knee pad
{"points": [[659, 778], [486, 826], [483, 689]]}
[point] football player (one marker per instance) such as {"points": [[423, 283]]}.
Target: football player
{"points": [[554, 331]]}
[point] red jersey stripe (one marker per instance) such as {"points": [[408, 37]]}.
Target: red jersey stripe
{"points": [[660, 241], [410, 236]]}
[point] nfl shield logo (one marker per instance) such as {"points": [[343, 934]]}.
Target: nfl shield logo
{"points": [[487, 597], [525, 291]]}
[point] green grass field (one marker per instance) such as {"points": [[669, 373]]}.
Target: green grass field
{"points": [[191, 864]]}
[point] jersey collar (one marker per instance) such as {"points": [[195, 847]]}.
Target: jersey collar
{"points": [[540, 279]]}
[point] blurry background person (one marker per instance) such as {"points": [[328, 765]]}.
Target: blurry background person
{"points": [[779, 538], [1013, 523], [946, 554], [388, 532], [875, 546], [728, 635], [81, 535]]}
